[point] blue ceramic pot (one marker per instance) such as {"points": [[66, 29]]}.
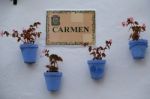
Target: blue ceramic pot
{"points": [[53, 80], [29, 52], [97, 68], [138, 48]]}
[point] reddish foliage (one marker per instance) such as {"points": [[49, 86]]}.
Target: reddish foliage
{"points": [[53, 59], [27, 35], [98, 52], [135, 28]]}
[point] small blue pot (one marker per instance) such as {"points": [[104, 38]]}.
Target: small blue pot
{"points": [[138, 48], [53, 80], [97, 68], [29, 52]]}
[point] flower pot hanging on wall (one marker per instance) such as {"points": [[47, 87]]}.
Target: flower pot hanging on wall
{"points": [[28, 37], [138, 48], [97, 64], [136, 45], [53, 80], [29, 52], [53, 76], [97, 68]]}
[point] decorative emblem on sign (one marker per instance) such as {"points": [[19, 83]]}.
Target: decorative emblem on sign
{"points": [[55, 20]]}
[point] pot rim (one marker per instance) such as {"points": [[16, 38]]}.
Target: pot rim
{"points": [[58, 74], [97, 61], [133, 43], [28, 45]]}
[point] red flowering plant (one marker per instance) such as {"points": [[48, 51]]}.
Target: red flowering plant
{"points": [[98, 53], [135, 28], [26, 36], [53, 59]]}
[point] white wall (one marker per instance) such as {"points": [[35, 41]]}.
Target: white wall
{"points": [[125, 78]]}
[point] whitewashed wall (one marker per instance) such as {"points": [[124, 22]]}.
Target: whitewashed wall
{"points": [[125, 78]]}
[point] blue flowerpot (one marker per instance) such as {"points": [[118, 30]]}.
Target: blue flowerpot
{"points": [[53, 80], [29, 52], [97, 68], [138, 48]]}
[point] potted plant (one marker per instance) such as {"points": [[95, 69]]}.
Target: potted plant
{"points": [[52, 75], [97, 64], [136, 44], [28, 37]]}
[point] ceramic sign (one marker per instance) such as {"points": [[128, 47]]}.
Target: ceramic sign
{"points": [[70, 27]]}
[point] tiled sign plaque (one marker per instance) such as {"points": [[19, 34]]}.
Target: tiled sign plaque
{"points": [[70, 27]]}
